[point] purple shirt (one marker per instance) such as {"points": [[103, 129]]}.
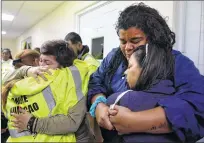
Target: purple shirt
{"points": [[144, 100], [184, 110]]}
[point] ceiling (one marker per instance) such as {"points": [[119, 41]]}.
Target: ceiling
{"points": [[26, 15]]}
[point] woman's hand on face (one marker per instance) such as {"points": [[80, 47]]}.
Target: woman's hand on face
{"points": [[119, 117], [21, 120], [102, 116], [38, 71]]}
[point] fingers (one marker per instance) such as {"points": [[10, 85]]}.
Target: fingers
{"points": [[112, 112], [15, 125], [45, 69], [19, 130], [116, 107], [22, 110], [15, 121], [49, 72], [39, 71], [14, 115], [42, 76], [35, 76], [18, 127], [3, 130], [112, 119], [108, 125], [38, 74], [105, 122]]}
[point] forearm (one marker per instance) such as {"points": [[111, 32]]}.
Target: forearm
{"points": [[62, 124], [95, 96], [16, 74], [149, 121]]}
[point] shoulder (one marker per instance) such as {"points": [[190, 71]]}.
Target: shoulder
{"points": [[88, 57], [175, 52], [183, 62], [110, 55], [112, 52], [181, 58], [81, 65], [10, 61]]}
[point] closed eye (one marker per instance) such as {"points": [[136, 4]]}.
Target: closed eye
{"points": [[122, 41]]}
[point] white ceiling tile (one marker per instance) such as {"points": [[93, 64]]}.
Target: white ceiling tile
{"points": [[27, 14], [42, 6], [11, 7], [6, 25]]}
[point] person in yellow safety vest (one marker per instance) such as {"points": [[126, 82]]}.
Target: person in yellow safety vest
{"points": [[81, 51], [24, 57], [52, 110]]}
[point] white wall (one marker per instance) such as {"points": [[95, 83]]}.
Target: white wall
{"points": [[103, 18], [56, 25], [11, 44], [190, 31], [62, 20]]}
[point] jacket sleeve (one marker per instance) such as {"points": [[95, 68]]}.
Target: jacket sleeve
{"points": [[15, 74], [62, 124], [184, 111], [96, 82]]}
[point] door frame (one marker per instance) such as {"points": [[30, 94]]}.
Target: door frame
{"points": [[179, 9], [88, 9]]}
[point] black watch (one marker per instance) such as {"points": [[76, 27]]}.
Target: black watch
{"points": [[30, 124]]}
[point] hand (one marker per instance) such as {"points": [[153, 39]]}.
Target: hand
{"points": [[102, 116], [38, 71], [4, 130], [21, 120], [119, 117]]}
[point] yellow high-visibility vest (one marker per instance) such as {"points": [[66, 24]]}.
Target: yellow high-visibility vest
{"points": [[64, 88], [91, 61]]}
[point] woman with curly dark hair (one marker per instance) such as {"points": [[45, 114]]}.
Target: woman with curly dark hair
{"points": [[181, 113]]}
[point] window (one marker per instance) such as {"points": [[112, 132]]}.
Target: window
{"points": [[97, 48]]}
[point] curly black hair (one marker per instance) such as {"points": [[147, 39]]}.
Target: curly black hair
{"points": [[159, 38], [150, 22], [60, 49]]}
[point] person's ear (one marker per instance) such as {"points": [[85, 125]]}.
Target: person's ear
{"points": [[79, 45], [36, 61]]}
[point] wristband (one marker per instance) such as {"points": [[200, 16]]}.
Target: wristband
{"points": [[30, 124], [26, 72], [99, 99]]}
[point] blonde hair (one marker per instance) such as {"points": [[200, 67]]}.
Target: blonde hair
{"points": [[5, 91]]}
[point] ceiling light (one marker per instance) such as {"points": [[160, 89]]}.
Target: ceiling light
{"points": [[3, 32], [7, 17]]}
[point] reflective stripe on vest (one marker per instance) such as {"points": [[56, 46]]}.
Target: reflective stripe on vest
{"points": [[77, 80], [15, 134], [48, 96], [47, 93]]}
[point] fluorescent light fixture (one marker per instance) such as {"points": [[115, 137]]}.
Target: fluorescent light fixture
{"points": [[7, 17], [3, 32]]}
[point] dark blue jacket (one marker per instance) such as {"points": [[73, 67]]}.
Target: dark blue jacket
{"points": [[184, 111], [139, 101]]}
